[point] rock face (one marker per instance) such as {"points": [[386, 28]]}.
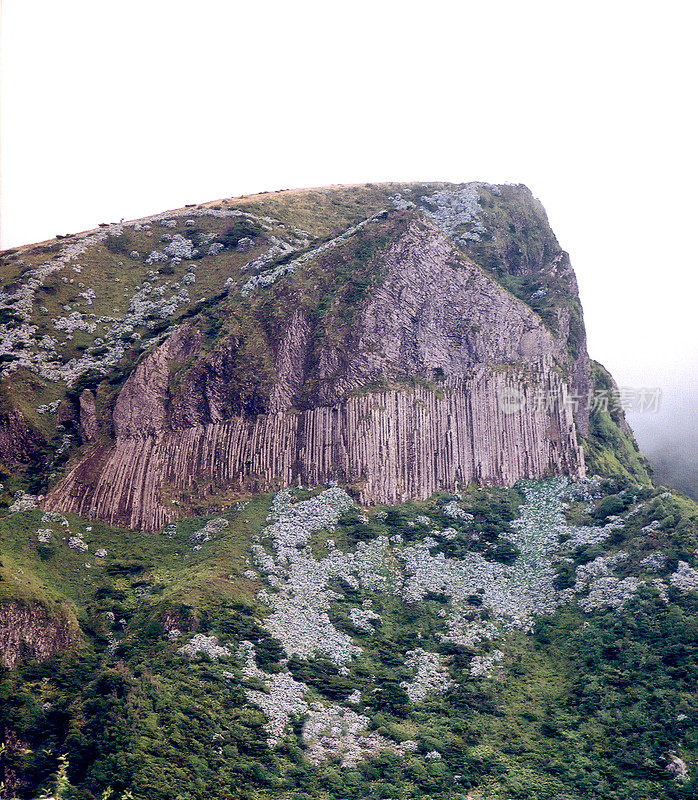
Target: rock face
{"points": [[141, 405], [411, 395], [435, 313], [28, 631], [88, 416], [387, 446], [19, 442]]}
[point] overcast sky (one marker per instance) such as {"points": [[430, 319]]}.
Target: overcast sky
{"points": [[121, 109]]}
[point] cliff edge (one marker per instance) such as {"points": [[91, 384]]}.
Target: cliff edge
{"points": [[368, 335]]}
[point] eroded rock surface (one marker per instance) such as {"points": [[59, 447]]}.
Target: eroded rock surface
{"points": [[28, 631], [382, 444]]}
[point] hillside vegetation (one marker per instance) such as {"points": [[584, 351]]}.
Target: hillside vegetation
{"points": [[538, 642], [456, 608]]}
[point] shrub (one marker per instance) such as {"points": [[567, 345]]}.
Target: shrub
{"points": [[504, 551], [268, 651], [119, 245], [239, 229], [355, 527], [118, 568], [612, 504], [565, 576], [45, 551], [323, 675]]}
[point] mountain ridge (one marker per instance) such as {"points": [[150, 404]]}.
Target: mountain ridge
{"points": [[315, 496], [253, 348]]}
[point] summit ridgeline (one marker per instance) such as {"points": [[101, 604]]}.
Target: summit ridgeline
{"points": [[365, 335]]}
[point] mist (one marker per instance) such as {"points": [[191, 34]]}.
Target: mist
{"points": [[669, 437]]}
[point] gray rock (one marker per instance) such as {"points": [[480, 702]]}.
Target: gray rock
{"points": [[453, 510], [456, 212], [180, 247], [430, 675], [685, 578], [77, 543], [25, 502], [365, 619], [677, 768], [609, 593], [654, 562], [484, 665], [211, 530], [209, 645]]}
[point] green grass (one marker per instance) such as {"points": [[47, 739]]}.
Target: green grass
{"points": [[324, 213], [610, 449], [583, 707], [169, 564]]}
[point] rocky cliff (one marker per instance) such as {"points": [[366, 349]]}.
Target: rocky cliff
{"points": [[387, 447], [365, 335], [28, 631], [19, 443]]}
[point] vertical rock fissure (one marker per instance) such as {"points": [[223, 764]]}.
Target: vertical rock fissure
{"points": [[387, 447]]}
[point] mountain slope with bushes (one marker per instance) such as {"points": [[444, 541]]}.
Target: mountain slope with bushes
{"points": [[309, 494]]}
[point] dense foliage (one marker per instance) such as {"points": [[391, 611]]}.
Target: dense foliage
{"points": [[586, 705]]}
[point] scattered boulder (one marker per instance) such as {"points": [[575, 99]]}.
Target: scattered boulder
{"points": [[685, 578], [210, 531], [677, 768], [78, 543], [209, 645], [483, 665]]}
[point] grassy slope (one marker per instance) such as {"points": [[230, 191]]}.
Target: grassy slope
{"points": [[584, 708], [611, 449], [572, 717]]}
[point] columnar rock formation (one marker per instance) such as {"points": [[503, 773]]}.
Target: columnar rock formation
{"points": [[377, 359], [387, 447]]}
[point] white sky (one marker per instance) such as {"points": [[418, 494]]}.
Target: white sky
{"points": [[120, 109]]}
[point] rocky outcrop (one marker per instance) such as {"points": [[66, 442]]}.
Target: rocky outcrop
{"points": [[19, 442], [89, 428], [280, 397], [387, 447], [434, 314], [141, 407], [291, 363], [28, 631]]}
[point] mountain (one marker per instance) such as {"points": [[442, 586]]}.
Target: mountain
{"points": [[228, 329], [317, 493]]}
